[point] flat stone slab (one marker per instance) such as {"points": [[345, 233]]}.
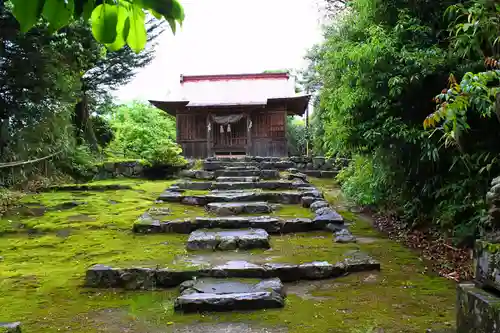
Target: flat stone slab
{"points": [[10, 327], [251, 179], [228, 295], [487, 258], [254, 172], [478, 311], [147, 224], [101, 276], [228, 240], [219, 165], [235, 208], [283, 197]]}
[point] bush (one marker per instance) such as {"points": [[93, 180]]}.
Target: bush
{"points": [[296, 136], [144, 132]]}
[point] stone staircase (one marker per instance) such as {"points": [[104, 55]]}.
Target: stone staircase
{"points": [[242, 201]]}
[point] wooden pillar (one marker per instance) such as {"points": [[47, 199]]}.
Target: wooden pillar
{"points": [[209, 135], [249, 134]]}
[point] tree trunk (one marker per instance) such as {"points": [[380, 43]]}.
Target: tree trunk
{"points": [[83, 124]]}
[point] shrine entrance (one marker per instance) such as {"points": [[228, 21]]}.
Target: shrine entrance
{"points": [[229, 134]]}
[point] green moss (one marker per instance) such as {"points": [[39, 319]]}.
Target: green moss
{"points": [[41, 277]]}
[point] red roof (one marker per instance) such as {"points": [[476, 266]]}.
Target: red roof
{"points": [[225, 77]]}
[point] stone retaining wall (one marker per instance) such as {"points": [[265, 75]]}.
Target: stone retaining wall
{"points": [[478, 303], [135, 169]]}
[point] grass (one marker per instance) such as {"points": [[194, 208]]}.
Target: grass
{"points": [[41, 273]]}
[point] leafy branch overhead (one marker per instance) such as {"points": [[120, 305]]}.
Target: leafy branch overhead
{"points": [[115, 23]]}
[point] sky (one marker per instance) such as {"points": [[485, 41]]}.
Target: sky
{"points": [[228, 36]]}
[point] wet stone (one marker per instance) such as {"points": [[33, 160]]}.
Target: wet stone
{"points": [[228, 240], [238, 173], [312, 193], [269, 224], [147, 224], [10, 327], [307, 201], [487, 258], [269, 174], [318, 204], [360, 262], [324, 211], [201, 186], [344, 236], [230, 286], [204, 175], [168, 196], [297, 175], [102, 276], [237, 179], [331, 217], [209, 302], [235, 208], [478, 311], [335, 227], [239, 269]]}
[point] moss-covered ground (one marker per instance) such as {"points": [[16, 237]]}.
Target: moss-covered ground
{"points": [[43, 261]]}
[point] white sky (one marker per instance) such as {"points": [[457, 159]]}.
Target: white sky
{"points": [[229, 36]]}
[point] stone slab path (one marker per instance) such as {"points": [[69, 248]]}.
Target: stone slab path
{"points": [[236, 198]]}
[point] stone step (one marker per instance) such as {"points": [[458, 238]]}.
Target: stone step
{"points": [[285, 197], [251, 179], [219, 165], [264, 185], [148, 225], [236, 208], [227, 240], [101, 276], [263, 174], [203, 295]]}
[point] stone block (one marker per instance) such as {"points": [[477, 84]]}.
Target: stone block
{"points": [[269, 174], [250, 179], [235, 208], [307, 201], [101, 276], [344, 236], [208, 302], [318, 205], [10, 327], [229, 240], [487, 260], [478, 311]]}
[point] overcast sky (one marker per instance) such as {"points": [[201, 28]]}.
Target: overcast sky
{"points": [[229, 36]]}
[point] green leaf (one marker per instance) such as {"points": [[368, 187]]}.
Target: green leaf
{"points": [[137, 36], [88, 7], [156, 14], [27, 13], [104, 21], [173, 25], [177, 11], [121, 34], [58, 12]]}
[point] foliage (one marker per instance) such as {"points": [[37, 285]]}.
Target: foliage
{"points": [[375, 74], [142, 131], [114, 23], [296, 136], [41, 77]]}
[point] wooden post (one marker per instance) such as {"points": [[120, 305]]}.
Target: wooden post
{"points": [[307, 130], [209, 136], [249, 134]]}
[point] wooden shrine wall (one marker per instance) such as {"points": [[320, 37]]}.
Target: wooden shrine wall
{"points": [[192, 134], [269, 133]]}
